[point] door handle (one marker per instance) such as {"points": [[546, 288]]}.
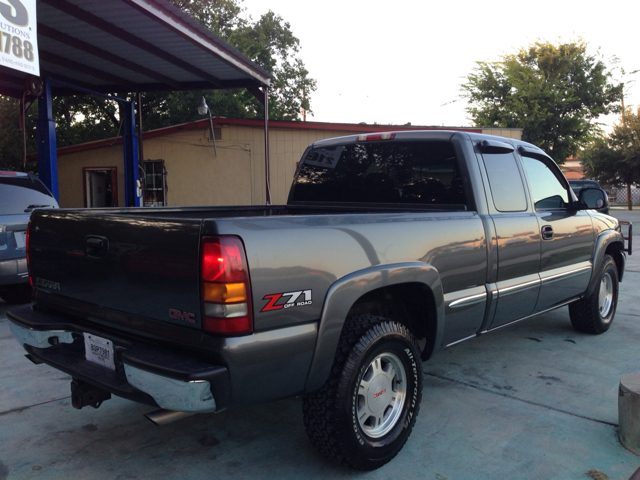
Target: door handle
{"points": [[96, 247], [547, 232]]}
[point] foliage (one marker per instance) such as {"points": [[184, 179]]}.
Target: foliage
{"points": [[83, 118], [11, 141], [269, 42], [555, 92], [615, 160], [220, 16]]}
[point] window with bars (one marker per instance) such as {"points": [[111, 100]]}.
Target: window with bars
{"points": [[155, 183]]}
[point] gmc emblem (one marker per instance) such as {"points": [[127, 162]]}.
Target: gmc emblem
{"points": [[178, 315]]}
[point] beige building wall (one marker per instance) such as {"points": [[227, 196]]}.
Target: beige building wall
{"points": [[286, 147], [71, 184], [515, 133], [196, 176]]}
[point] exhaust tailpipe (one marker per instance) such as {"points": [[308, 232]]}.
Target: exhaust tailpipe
{"points": [[163, 417]]}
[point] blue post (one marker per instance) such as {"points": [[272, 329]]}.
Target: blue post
{"points": [[130, 148], [46, 136]]}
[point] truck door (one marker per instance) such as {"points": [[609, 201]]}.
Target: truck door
{"points": [[567, 235], [517, 283]]}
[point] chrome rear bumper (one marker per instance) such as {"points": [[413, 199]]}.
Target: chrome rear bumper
{"points": [[146, 373]]}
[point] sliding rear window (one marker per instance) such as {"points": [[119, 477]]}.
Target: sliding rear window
{"points": [[423, 173]]}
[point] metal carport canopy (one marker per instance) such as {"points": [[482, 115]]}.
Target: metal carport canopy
{"points": [[134, 46], [131, 46]]}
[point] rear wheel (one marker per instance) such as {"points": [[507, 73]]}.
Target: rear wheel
{"points": [[365, 412], [594, 313], [16, 294]]}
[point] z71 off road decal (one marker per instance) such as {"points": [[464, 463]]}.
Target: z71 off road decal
{"points": [[287, 300]]}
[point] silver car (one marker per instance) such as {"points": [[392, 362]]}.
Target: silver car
{"points": [[20, 193]]}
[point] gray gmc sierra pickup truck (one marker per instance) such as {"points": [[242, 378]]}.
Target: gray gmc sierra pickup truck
{"points": [[391, 247]]}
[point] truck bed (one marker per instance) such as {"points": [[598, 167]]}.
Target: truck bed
{"points": [[144, 264]]}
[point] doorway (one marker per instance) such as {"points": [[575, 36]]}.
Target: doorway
{"points": [[101, 187]]}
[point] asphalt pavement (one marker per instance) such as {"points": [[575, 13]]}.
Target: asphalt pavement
{"points": [[536, 400]]}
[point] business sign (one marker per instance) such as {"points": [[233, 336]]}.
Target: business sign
{"points": [[19, 36]]}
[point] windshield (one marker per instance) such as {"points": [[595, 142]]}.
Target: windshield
{"points": [[18, 194], [381, 172]]}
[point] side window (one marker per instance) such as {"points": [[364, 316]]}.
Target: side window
{"points": [[547, 189], [505, 182]]}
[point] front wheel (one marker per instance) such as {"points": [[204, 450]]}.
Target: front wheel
{"points": [[365, 412], [594, 313]]}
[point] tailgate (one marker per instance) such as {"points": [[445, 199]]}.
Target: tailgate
{"points": [[144, 266]]}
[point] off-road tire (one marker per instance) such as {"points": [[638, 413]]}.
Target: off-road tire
{"points": [[16, 294], [594, 313], [371, 351]]}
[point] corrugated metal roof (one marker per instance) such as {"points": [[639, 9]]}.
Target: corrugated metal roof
{"points": [[132, 45]]}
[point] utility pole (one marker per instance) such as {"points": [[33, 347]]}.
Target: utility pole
{"points": [[304, 110], [624, 125]]}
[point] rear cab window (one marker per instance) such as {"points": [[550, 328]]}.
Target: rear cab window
{"points": [[396, 172]]}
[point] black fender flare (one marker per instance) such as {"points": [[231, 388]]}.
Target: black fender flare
{"points": [[344, 293], [604, 240]]}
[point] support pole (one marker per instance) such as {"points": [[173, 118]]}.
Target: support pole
{"points": [[213, 134], [47, 147], [624, 125], [265, 91], [140, 142], [130, 151]]}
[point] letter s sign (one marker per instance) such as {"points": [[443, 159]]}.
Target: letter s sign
{"points": [[21, 17]]}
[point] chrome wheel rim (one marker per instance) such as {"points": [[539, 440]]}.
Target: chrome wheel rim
{"points": [[381, 395], [605, 296]]}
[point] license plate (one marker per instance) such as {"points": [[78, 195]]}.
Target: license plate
{"points": [[99, 350], [20, 239]]}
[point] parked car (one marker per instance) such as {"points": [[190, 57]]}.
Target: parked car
{"points": [[577, 185], [20, 193]]}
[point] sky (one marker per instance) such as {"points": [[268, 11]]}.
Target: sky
{"points": [[395, 62]]}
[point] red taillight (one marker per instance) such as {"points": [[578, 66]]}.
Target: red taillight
{"points": [[222, 260], [27, 247], [225, 287], [376, 136]]}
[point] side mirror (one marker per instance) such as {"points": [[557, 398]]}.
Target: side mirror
{"points": [[593, 198]]}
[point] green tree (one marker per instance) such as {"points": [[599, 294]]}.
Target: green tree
{"points": [[555, 92], [11, 140], [83, 118], [269, 42], [615, 160], [223, 17]]}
